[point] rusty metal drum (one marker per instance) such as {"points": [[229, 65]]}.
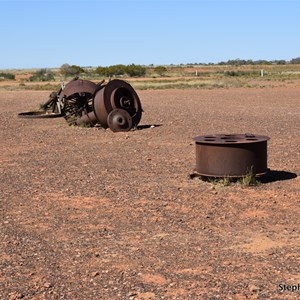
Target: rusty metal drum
{"points": [[231, 155], [117, 94]]}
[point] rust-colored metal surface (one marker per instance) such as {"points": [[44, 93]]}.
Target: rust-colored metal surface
{"points": [[115, 105], [78, 86], [119, 120], [232, 155], [117, 94], [77, 97]]}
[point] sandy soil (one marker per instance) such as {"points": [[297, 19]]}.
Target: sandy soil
{"points": [[86, 213]]}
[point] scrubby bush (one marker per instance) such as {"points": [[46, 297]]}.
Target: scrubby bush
{"points": [[135, 70], [114, 70], [279, 62], [160, 70], [295, 60], [240, 73], [119, 70], [42, 75], [101, 71], [72, 70], [8, 76]]}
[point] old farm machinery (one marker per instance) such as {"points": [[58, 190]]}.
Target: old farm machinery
{"points": [[114, 105]]}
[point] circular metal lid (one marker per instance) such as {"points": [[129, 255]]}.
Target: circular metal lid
{"points": [[225, 139], [119, 120]]}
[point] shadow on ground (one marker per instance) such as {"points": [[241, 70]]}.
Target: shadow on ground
{"points": [[270, 176], [274, 175], [141, 127]]}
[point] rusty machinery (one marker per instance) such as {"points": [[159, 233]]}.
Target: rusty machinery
{"points": [[230, 155], [114, 105]]}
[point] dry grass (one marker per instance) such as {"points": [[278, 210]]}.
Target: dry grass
{"points": [[197, 76]]}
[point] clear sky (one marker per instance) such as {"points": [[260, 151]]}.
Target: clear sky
{"points": [[49, 33]]}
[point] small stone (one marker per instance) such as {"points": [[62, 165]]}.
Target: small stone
{"points": [[254, 288], [132, 295], [48, 285], [15, 295], [94, 274]]}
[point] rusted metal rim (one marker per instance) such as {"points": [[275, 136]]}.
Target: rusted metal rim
{"points": [[117, 94], [39, 114], [78, 86], [231, 155], [77, 97], [119, 120], [194, 174], [226, 139]]}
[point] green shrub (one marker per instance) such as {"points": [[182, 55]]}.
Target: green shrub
{"points": [[135, 70], [101, 71], [240, 73], [117, 70], [160, 70], [114, 70], [8, 76], [295, 60], [42, 75], [72, 70]]}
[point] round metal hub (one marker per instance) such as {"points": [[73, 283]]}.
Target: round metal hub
{"points": [[119, 120], [117, 94], [231, 155]]}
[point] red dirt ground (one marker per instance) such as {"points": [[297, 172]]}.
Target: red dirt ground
{"points": [[91, 214]]}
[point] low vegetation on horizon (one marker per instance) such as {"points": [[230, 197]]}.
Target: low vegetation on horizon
{"points": [[233, 73]]}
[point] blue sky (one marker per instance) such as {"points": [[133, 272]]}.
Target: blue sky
{"points": [[42, 34]]}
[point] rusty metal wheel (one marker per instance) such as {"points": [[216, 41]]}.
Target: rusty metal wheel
{"points": [[77, 98], [78, 86], [119, 120], [117, 94]]}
